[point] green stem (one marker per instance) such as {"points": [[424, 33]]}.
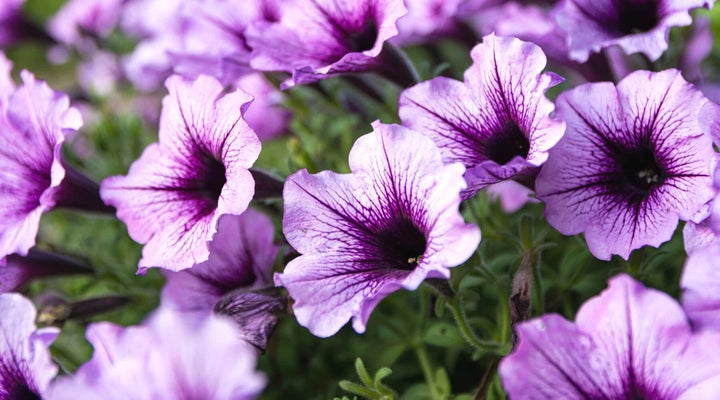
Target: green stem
{"points": [[467, 332], [427, 369], [537, 282], [505, 325]]}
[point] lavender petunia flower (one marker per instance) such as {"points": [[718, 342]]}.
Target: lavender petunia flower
{"points": [[242, 255], [166, 358], [634, 25], [191, 38], [633, 161], [701, 286], [100, 73], [265, 115], [26, 368], [34, 121], [498, 122], [10, 21], [78, 18], [317, 39], [174, 194], [390, 224], [697, 235], [426, 19], [512, 195], [629, 342]]}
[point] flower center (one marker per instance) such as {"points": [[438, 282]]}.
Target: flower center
{"points": [[207, 185], [402, 243], [21, 391], [364, 39], [637, 16], [506, 143], [638, 172], [215, 180]]}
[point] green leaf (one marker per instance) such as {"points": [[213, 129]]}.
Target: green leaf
{"points": [[363, 373], [442, 381], [357, 389], [381, 374], [443, 334], [418, 392]]}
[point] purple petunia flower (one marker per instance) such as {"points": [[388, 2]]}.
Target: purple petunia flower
{"points": [[166, 358], [512, 195], [697, 235], [429, 20], [190, 38], [629, 342], [10, 21], [26, 368], [633, 161], [497, 123], [265, 115], [78, 18], [390, 224], [701, 286], [174, 194], [34, 121], [634, 25], [242, 255], [317, 39]]}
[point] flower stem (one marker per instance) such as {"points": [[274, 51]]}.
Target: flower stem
{"points": [[467, 332], [427, 369], [397, 67], [78, 192], [537, 282]]}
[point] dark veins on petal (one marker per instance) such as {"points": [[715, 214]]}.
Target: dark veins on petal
{"points": [[636, 16], [351, 35], [505, 143], [13, 385], [401, 243]]}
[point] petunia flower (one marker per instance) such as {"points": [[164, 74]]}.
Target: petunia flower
{"points": [[697, 235], [26, 367], [10, 21], [390, 224], [700, 283], [34, 121], [633, 161], [634, 25], [512, 195], [174, 194], [629, 342], [429, 20], [79, 18], [168, 357], [265, 115], [191, 37], [242, 255], [497, 123], [317, 39]]}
